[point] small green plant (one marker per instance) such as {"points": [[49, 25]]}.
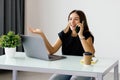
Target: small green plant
{"points": [[10, 40]]}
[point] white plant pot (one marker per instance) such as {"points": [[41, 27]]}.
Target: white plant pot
{"points": [[10, 52]]}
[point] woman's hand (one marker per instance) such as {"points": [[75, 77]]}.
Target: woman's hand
{"points": [[81, 25], [35, 30]]}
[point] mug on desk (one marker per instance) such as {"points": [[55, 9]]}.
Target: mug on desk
{"points": [[87, 57]]}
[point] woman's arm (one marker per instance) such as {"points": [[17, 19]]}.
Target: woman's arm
{"points": [[88, 45], [51, 49]]}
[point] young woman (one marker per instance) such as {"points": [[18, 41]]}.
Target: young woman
{"points": [[72, 42]]}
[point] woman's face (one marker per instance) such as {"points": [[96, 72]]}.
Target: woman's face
{"points": [[74, 19]]}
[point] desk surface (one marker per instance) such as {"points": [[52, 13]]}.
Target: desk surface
{"points": [[70, 65]]}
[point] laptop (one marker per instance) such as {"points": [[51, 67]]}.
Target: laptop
{"points": [[34, 47]]}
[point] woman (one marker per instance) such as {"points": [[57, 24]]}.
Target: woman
{"points": [[73, 42]]}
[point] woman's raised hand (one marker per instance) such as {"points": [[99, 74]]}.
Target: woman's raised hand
{"points": [[81, 25], [35, 30]]}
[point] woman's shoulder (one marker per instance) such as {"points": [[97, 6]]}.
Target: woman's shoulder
{"points": [[62, 33], [88, 34]]}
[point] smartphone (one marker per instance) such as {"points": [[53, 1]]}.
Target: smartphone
{"points": [[77, 29]]}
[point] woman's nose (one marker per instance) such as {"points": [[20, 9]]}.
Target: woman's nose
{"points": [[73, 21]]}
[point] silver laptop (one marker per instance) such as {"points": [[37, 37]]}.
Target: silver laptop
{"points": [[34, 47]]}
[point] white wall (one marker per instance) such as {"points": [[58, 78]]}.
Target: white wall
{"points": [[102, 15]]}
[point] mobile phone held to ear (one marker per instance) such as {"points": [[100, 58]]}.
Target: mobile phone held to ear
{"points": [[77, 29]]}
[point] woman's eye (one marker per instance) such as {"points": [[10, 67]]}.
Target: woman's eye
{"points": [[76, 19]]}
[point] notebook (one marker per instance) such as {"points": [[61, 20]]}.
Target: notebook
{"points": [[34, 47]]}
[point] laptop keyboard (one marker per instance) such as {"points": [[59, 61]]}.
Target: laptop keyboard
{"points": [[56, 57]]}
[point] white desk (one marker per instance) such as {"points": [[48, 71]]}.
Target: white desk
{"points": [[71, 66]]}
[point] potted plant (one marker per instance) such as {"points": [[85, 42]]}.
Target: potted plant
{"points": [[9, 42]]}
